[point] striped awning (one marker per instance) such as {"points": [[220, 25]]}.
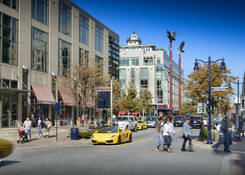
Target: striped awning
{"points": [[43, 94]]}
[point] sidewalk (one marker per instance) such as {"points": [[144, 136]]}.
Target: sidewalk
{"points": [[63, 137], [234, 162]]}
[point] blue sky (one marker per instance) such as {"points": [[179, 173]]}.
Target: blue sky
{"points": [[213, 28]]}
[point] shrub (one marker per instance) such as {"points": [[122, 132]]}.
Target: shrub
{"points": [[203, 133], [85, 135]]}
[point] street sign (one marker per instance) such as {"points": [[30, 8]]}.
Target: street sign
{"points": [[219, 88], [201, 108], [57, 108]]}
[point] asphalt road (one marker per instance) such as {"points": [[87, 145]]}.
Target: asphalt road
{"points": [[125, 159]]}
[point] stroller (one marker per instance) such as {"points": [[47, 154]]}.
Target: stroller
{"points": [[22, 136]]}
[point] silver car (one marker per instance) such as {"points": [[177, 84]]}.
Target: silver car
{"points": [[151, 122]]}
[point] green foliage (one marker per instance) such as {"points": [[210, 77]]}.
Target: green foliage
{"points": [[197, 87], [203, 133], [85, 135], [187, 108]]}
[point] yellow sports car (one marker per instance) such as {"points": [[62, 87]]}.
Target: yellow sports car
{"points": [[141, 125], [111, 136], [6, 148]]}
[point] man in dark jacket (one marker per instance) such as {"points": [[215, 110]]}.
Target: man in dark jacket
{"points": [[224, 136]]}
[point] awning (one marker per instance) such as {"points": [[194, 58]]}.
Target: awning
{"points": [[67, 97], [90, 102], [43, 94]]}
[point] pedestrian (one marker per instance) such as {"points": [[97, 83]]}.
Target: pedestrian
{"points": [[48, 126], [27, 126], [168, 132], [224, 136], [187, 135], [39, 127], [158, 136]]}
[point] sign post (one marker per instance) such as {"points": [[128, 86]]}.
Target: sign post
{"points": [[57, 113], [219, 89]]}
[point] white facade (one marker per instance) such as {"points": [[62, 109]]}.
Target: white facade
{"points": [[148, 68]]}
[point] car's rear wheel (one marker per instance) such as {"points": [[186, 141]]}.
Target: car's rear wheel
{"points": [[119, 140], [130, 138]]}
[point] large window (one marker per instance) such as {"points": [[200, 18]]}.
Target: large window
{"points": [[99, 63], [83, 57], [99, 38], [123, 76], [65, 19], [40, 10], [8, 39], [39, 51], [143, 79], [84, 30], [133, 76], [11, 3], [124, 62], [64, 57], [135, 61]]}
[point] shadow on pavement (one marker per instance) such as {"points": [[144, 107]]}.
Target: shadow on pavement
{"points": [[8, 162], [237, 166]]}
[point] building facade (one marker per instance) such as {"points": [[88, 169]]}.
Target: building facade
{"points": [[41, 39], [147, 68]]}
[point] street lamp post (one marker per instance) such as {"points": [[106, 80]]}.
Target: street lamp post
{"points": [[171, 37], [196, 67], [180, 51]]}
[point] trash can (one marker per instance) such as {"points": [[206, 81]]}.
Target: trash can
{"points": [[74, 133]]}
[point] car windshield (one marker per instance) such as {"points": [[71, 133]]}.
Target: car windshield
{"points": [[123, 119], [151, 119], [196, 118], [108, 130], [179, 118]]}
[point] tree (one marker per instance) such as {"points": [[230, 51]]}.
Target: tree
{"points": [[197, 87], [83, 80], [117, 100], [187, 108], [146, 101]]}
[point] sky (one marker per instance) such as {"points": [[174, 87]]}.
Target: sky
{"points": [[213, 28]]}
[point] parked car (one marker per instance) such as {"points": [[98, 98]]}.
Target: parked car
{"points": [[111, 136], [151, 122], [127, 122], [179, 120], [6, 148], [196, 122]]}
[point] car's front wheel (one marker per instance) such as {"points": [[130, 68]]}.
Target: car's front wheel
{"points": [[119, 140], [130, 138]]}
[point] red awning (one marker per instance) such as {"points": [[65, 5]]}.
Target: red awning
{"points": [[67, 97], [43, 94], [90, 101]]}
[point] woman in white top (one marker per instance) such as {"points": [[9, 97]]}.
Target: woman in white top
{"points": [[39, 127], [168, 132]]}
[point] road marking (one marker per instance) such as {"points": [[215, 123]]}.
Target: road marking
{"points": [[140, 141]]}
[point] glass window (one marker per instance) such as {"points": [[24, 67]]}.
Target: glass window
{"points": [[148, 61], [144, 84], [39, 59], [11, 3], [84, 29], [159, 73], [133, 75], [134, 61], [124, 62], [122, 73], [99, 63], [83, 57], [8, 39], [99, 38], [159, 96], [14, 84], [65, 19], [64, 57], [40, 10], [144, 73]]}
